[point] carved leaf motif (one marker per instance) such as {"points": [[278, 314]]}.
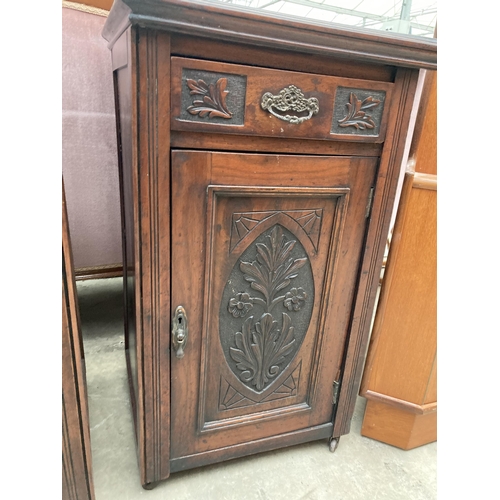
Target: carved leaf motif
{"points": [[213, 102], [263, 347], [273, 270], [260, 351], [197, 87], [244, 356], [281, 346], [356, 115]]}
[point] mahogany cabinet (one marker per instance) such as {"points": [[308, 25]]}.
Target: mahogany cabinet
{"points": [[259, 158], [77, 482]]}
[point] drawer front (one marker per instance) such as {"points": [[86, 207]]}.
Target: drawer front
{"points": [[230, 98]]}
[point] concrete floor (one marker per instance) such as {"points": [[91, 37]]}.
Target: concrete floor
{"points": [[360, 469]]}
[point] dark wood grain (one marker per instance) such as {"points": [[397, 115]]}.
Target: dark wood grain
{"points": [[256, 28], [179, 219], [217, 50], [77, 482], [125, 111], [258, 446], [98, 272], [146, 281], [117, 22], [227, 142], [383, 203], [258, 121], [200, 250]]}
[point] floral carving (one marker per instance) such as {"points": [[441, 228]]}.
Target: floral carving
{"points": [[294, 299], [240, 305], [262, 346], [213, 99], [273, 269], [356, 113]]}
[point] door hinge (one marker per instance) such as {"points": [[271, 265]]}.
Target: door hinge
{"points": [[370, 203], [336, 386]]}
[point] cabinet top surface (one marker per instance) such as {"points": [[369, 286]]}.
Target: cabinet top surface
{"points": [[236, 24]]}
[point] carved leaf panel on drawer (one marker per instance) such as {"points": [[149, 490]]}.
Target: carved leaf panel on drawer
{"points": [[358, 111], [213, 97], [234, 99]]}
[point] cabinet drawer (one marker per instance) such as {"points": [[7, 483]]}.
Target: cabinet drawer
{"points": [[234, 99]]}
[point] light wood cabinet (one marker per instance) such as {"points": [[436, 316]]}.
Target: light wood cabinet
{"points": [[400, 377], [258, 166]]}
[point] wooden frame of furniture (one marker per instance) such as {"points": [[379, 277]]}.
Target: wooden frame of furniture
{"points": [[205, 146], [77, 482]]}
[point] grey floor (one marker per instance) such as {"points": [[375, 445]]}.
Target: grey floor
{"points": [[361, 468]]}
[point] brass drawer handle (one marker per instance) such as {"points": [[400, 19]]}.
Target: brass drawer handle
{"points": [[290, 98], [179, 331]]}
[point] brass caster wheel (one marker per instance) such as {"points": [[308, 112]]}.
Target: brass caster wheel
{"points": [[334, 442]]}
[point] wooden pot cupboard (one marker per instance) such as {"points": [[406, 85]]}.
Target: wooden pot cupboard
{"points": [[259, 158]]}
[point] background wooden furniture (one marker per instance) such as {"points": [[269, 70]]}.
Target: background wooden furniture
{"points": [[259, 158], [77, 481], [399, 380]]}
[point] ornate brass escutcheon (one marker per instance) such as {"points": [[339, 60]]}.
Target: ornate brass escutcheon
{"points": [[179, 331], [290, 98]]}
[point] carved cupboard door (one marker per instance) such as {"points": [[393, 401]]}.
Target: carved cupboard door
{"points": [[265, 253]]}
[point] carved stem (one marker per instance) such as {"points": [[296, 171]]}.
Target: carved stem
{"points": [[277, 300], [262, 302]]}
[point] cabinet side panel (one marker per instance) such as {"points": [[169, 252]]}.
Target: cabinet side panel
{"points": [[152, 73], [124, 109]]}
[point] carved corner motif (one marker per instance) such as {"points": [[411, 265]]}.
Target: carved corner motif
{"points": [[212, 101], [230, 398], [356, 113], [243, 223], [308, 220]]}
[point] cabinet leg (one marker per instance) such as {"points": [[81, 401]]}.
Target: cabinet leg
{"points": [[334, 442], [150, 486]]}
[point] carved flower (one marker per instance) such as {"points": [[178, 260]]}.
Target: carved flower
{"points": [[240, 305], [294, 298]]}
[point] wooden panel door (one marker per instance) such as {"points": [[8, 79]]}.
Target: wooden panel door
{"points": [[265, 256]]}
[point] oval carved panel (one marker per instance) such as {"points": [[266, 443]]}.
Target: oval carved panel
{"points": [[266, 307]]}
